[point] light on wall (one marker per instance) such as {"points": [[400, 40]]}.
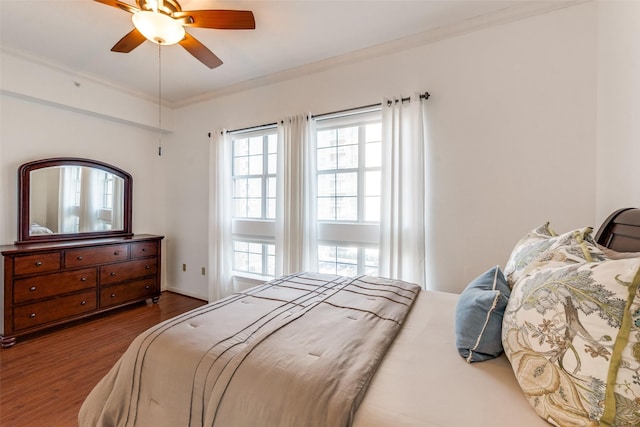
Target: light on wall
{"points": [[158, 27]]}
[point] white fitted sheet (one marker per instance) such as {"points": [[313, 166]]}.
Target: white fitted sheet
{"points": [[424, 382]]}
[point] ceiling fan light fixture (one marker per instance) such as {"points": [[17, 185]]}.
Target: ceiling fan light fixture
{"points": [[158, 27]]}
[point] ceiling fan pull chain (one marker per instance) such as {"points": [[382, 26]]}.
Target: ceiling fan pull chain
{"points": [[159, 100]]}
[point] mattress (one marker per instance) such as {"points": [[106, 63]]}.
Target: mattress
{"points": [[424, 382]]}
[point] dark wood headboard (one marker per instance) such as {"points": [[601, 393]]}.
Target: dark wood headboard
{"points": [[621, 231]]}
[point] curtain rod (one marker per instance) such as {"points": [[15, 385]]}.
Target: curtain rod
{"points": [[425, 95]]}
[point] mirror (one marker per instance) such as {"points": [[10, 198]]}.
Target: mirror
{"points": [[72, 198]]}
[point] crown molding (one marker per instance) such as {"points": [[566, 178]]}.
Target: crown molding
{"points": [[503, 16]]}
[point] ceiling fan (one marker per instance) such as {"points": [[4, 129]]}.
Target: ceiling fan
{"points": [[163, 22]]}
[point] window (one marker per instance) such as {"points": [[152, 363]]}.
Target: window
{"points": [[254, 257], [348, 180], [107, 191], [254, 201], [348, 158]]}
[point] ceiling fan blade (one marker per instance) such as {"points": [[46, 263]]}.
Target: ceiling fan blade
{"points": [[200, 51], [120, 5], [218, 19], [129, 42]]}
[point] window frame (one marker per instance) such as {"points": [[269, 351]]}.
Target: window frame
{"points": [[252, 229], [359, 234]]}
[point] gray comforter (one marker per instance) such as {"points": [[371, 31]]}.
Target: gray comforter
{"points": [[297, 351]]}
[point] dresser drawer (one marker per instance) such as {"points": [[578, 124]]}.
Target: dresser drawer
{"points": [[127, 292], [96, 255], [39, 263], [120, 272], [48, 285], [39, 313], [143, 249]]}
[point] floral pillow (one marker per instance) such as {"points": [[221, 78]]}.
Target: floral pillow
{"points": [[543, 247], [572, 334]]}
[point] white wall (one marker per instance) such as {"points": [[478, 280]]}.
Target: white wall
{"points": [[513, 138], [618, 150], [33, 128], [533, 120]]}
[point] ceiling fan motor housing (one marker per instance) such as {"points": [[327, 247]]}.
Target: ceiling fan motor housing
{"points": [[168, 7]]}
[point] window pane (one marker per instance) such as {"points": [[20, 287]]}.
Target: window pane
{"points": [[373, 155], [347, 269], [239, 188], [271, 208], [241, 261], [327, 159], [240, 208], [347, 184], [326, 208], [255, 145], [347, 260], [346, 208], [272, 141], [327, 185], [327, 267], [373, 132], [241, 166], [255, 263], [347, 157], [254, 208], [347, 255], [326, 138], [371, 257], [254, 187], [255, 165], [271, 187], [272, 167], [348, 135], [240, 147], [372, 183], [254, 257], [372, 209]]}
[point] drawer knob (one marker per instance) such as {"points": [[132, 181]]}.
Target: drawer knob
{"points": [[83, 302], [79, 258], [113, 295], [144, 249], [116, 253], [113, 273], [38, 263], [83, 279], [32, 315], [147, 287], [33, 288], [147, 267]]}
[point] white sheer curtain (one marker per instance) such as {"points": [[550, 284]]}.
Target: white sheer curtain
{"points": [[90, 200], [220, 241], [296, 225], [403, 216], [67, 209], [117, 215]]}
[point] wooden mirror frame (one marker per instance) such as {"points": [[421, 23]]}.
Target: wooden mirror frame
{"points": [[24, 196]]}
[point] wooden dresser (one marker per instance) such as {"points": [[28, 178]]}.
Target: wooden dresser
{"points": [[48, 284]]}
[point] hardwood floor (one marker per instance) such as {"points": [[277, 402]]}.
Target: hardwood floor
{"points": [[45, 379]]}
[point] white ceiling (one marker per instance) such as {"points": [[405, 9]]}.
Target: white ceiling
{"points": [[77, 35]]}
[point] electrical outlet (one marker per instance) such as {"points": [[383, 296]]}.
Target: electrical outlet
{"points": [[184, 267]]}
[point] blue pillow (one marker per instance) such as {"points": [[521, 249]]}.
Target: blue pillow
{"points": [[479, 313]]}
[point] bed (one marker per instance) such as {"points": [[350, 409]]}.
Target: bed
{"points": [[372, 352]]}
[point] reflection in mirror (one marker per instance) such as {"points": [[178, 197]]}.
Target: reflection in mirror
{"points": [[69, 198], [75, 199]]}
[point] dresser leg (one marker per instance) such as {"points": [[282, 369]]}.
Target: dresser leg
{"points": [[155, 299], [7, 341]]}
